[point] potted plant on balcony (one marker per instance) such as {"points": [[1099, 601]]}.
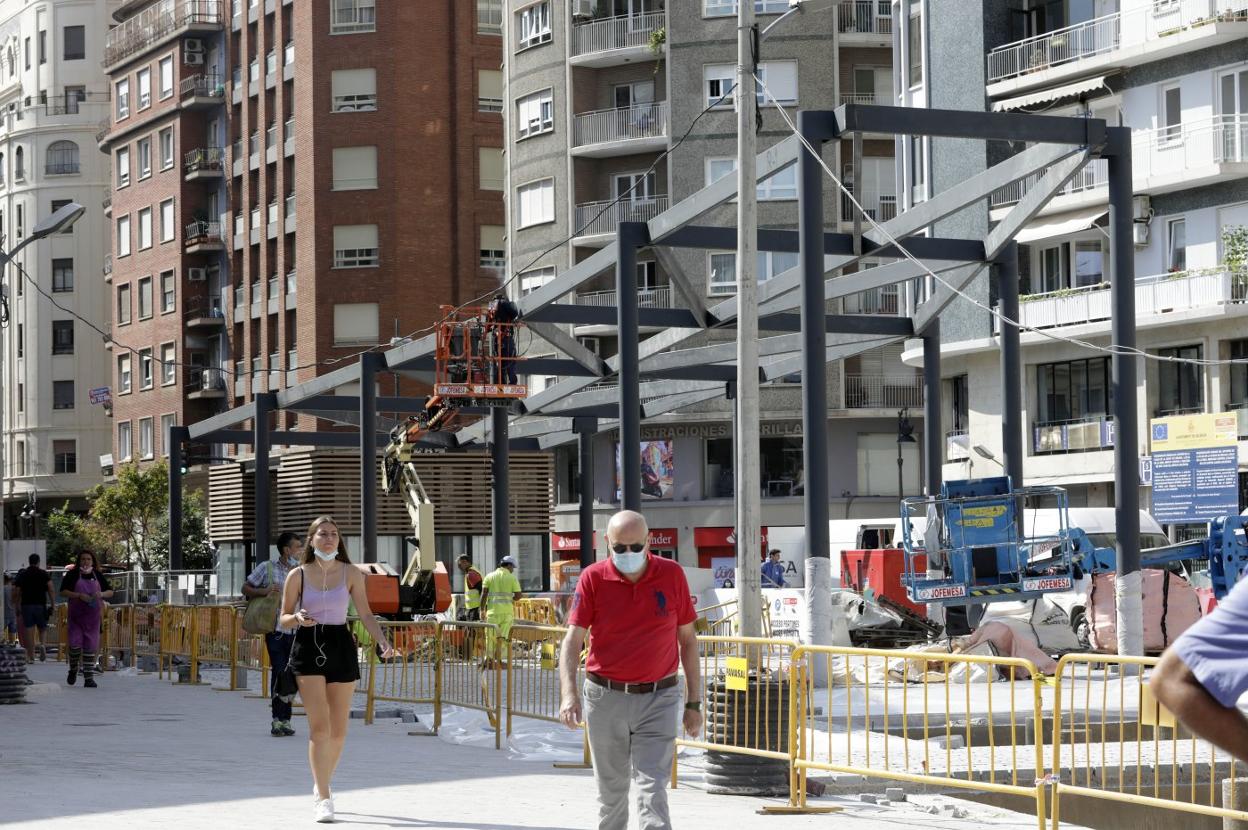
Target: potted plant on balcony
{"points": [[658, 38], [1235, 255]]}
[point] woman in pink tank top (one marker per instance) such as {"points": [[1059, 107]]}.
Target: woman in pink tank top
{"points": [[324, 658]]}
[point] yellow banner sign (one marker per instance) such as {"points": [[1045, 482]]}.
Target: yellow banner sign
{"points": [[1194, 432], [738, 672]]}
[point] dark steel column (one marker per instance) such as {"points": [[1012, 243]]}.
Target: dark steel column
{"points": [[177, 435], [265, 404], [1122, 334], [632, 235], [933, 433], [1011, 366], [586, 428], [369, 364], [502, 482]]}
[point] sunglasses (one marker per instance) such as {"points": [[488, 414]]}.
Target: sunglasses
{"points": [[635, 547]]}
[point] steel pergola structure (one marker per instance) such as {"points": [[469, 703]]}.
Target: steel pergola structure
{"points": [[665, 373]]}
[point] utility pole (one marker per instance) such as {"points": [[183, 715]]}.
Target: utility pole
{"points": [[748, 476]]}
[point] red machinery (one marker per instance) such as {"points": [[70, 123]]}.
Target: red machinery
{"points": [[876, 573], [477, 358]]}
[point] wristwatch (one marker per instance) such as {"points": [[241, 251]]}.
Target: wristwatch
{"points": [[695, 705]]}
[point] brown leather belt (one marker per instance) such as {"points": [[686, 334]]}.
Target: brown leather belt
{"points": [[633, 688]]}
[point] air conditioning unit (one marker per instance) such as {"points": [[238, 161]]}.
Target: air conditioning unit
{"points": [[192, 44], [591, 343], [193, 58], [1139, 234], [197, 274], [1141, 208], [583, 8]]}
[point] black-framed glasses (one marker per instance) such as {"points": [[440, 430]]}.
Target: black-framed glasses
{"points": [[635, 547]]}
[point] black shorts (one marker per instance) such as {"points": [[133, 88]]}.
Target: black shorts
{"points": [[340, 663]]}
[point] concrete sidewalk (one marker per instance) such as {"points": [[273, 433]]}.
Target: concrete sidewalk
{"points": [[142, 752]]}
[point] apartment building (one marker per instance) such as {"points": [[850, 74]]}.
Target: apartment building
{"points": [[1176, 73], [294, 182], [52, 98], [596, 94]]}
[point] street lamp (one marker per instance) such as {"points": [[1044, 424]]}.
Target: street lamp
{"points": [[905, 435], [984, 452]]}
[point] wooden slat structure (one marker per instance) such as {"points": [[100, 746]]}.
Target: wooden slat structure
{"points": [[231, 500]]}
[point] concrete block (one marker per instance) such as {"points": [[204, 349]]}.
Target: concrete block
{"points": [[847, 779], [409, 717], [895, 794], [868, 798], [950, 742]]}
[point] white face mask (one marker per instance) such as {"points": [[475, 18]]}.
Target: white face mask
{"points": [[86, 569], [325, 557], [292, 560], [629, 562]]}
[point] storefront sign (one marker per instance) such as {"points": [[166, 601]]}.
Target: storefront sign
{"points": [[768, 429], [1195, 467], [719, 537], [570, 540], [663, 538]]}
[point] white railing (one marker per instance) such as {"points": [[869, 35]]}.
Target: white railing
{"points": [[861, 98], [641, 121], [886, 301], [1081, 41], [603, 217], [1157, 294], [290, 209], [658, 297], [239, 226], [883, 391], [1092, 175], [489, 17], [255, 218], [155, 22], [204, 85], [272, 217], [879, 206], [867, 17], [240, 296], [203, 232], [292, 362], [623, 32], [273, 284], [291, 282]]}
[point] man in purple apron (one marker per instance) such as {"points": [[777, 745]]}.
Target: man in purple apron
{"points": [[86, 589]]}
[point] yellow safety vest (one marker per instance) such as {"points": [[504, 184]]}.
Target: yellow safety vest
{"points": [[472, 596]]}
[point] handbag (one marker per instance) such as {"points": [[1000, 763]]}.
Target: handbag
{"points": [[285, 686], [261, 614]]}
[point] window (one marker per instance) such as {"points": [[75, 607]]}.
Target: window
{"points": [[62, 394], [166, 221], [168, 364], [490, 168], [914, 47], [123, 167], [780, 466], [1171, 114], [354, 90], [720, 79], [1239, 375], [725, 8], [1073, 390], [144, 79], [145, 368], [122, 97], [19, 168], [533, 25], [74, 95], [145, 157], [145, 298], [723, 269], [355, 168], [353, 16], [43, 47], [167, 292], [918, 169], [781, 186], [1181, 386], [11, 61], [1176, 245], [535, 114], [779, 76], [166, 148], [1052, 268], [21, 340], [356, 324], [123, 374], [166, 76], [57, 204], [65, 453], [1089, 263], [146, 448], [62, 275], [166, 428], [62, 337], [355, 246], [124, 449], [535, 203], [532, 280], [123, 236], [62, 158], [20, 465], [489, 90], [123, 305], [145, 229], [493, 248]]}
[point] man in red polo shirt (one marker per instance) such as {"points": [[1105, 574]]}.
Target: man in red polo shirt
{"points": [[639, 609]]}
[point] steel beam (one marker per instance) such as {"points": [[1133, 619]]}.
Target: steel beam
{"points": [[1001, 126], [1011, 365], [499, 441], [177, 439], [933, 434], [264, 406], [585, 429], [321, 385], [843, 324], [585, 315], [370, 363], [588, 363], [632, 236], [223, 420]]}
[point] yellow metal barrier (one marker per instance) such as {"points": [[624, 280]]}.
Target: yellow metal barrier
{"points": [[727, 622], [1113, 741], [533, 673], [178, 638], [538, 610], [902, 716], [58, 627], [250, 654], [117, 638], [463, 679], [215, 642], [147, 621], [411, 678]]}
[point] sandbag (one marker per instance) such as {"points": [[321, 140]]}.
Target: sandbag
{"points": [[1171, 606]]}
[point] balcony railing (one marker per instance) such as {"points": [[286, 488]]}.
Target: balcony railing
{"points": [[658, 297], [879, 301], [595, 218], [1082, 41], [272, 217], [240, 296], [273, 286], [60, 168], [1174, 151], [1076, 435], [270, 136], [862, 98], [883, 391], [489, 17], [197, 232], [292, 361], [156, 22], [255, 218], [290, 211], [205, 379], [204, 159], [1174, 412], [275, 370], [108, 264], [1092, 175], [623, 32], [867, 17], [879, 206], [623, 124], [202, 86], [291, 283]]}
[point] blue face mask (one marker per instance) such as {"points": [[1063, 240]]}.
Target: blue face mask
{"points": [[629, 562], [323, 556]]}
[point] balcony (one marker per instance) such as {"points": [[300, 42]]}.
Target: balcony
{"points": [[1077, 435], [108, 268], [204, 236], [657, 297], [292, 364], [1163, 297], [202, 90], [879, 206], [253, 151], [271, 225], [61, 168], [596, 222], [290, 213], [240, 232], [257, 375], [288, 137], [623, 131], [883, 391], [611, 41], [489, 17], [158, 23], [204, 163], [275, 371], [957, 445], [204, 382], [204, 312], [1196, 153], [106, 202], [270, 144], [291, 286], [1149, 32], [1093, 175], [865, 22], [256, 215], [240, 300], [240, 378], [882, 301]]}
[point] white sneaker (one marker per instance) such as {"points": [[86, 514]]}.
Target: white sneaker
{"points": [[324, 811]]}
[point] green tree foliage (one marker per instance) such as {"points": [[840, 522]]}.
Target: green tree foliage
{"points": [[66, 533], [197, 552], [126, 514]]}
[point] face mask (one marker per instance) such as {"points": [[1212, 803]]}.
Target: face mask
{"points": [[629, 562], [292, 560], [325, 557], [86, 569]]}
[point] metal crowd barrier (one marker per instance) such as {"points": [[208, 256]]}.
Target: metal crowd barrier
{"points": [[539, 610], [250, 654], [465, 680], [411, 678], [148, 622], [117, 637]]}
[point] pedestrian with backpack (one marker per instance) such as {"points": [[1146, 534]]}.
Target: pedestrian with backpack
{"points": [[264, 590]]}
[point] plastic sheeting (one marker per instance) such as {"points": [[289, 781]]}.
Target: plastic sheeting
{"points": [[530, 740]]}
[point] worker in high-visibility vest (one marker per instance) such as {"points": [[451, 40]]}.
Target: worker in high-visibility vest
{"points": [[499, 592], [472, 588]]}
